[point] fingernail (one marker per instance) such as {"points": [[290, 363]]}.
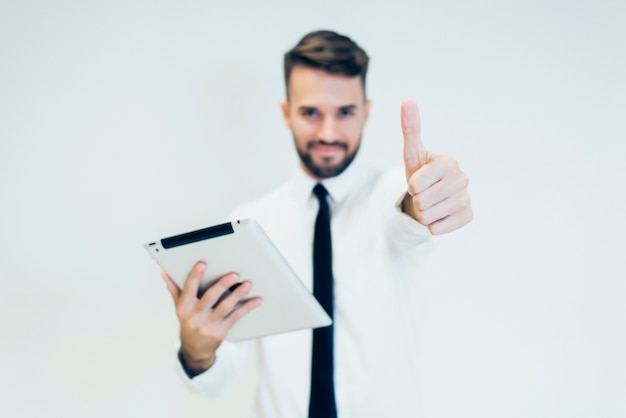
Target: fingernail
{"points": [[200, 267]]}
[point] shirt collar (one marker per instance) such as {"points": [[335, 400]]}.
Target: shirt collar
{"points": [[338, 187]]}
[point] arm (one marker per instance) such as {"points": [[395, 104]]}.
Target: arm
{"points": [[437, 194]]}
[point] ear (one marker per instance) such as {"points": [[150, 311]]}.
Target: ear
{"points": [[284, 106]]}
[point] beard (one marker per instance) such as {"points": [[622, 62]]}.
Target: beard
{"points": [[325, 171]]}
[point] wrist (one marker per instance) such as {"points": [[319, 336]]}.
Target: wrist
{"points": [[194, 366]]}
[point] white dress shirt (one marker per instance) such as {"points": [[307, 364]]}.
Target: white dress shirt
{"points": [[376, 255]]}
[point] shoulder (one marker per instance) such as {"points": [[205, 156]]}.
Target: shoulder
{"points": [[264, 203]]}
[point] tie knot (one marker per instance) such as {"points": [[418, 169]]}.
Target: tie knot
{"points": [[320, 191]]}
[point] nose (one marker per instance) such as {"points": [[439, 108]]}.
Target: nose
{"points": [[328, 130]]}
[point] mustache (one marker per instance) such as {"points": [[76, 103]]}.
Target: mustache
{"points": [[313, 144]]}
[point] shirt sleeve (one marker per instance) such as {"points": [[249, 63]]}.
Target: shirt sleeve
{"points": [[230, 364], [405, 233]]}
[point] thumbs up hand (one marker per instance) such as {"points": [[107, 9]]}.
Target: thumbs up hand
{"points": [[437, 194]]}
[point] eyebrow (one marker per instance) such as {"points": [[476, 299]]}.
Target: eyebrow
{"points": [[345, 107]]}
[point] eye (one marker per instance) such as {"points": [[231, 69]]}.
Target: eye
{"points": [[309, 112], [346, 111]]}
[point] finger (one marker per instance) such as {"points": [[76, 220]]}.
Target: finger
{"points": [[451, 185], [215, 292], [240, 312], [415, 154], [452, 222], [172, 287], [439, 167], [226, 306], [192, 283], [454, 203]]}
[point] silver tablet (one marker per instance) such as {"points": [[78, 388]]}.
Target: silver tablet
{"points": [[243, 247]]}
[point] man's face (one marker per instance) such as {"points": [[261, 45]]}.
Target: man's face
{"points": [[326, 114]]}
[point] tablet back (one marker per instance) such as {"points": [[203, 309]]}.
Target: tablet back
{"points": [[243, 247]]}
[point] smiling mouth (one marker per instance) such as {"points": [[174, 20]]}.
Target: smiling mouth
{"points": [[327, 146]]}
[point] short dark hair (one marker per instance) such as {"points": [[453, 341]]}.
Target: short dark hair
{"points": [[328, 51]]}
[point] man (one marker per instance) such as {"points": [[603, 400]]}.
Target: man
{"points": [[381, 224]]}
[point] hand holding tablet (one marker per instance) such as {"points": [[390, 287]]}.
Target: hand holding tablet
{"points": [[235, 269], [240, 247], [206, 320]]}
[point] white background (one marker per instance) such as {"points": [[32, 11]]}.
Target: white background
{"points": [[126, 121]]}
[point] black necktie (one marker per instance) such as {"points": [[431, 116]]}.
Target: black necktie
{"points": [[322, 401]]}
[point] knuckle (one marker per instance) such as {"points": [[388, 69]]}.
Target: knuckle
{"points": [[216, 290], [459, 201], [243, 289], [192, 279], [449, 162], [418, 202], [469, 215], [435, 229], [189, 323], [467, 201], [213, 292], [463, 180], [423, 219]]}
